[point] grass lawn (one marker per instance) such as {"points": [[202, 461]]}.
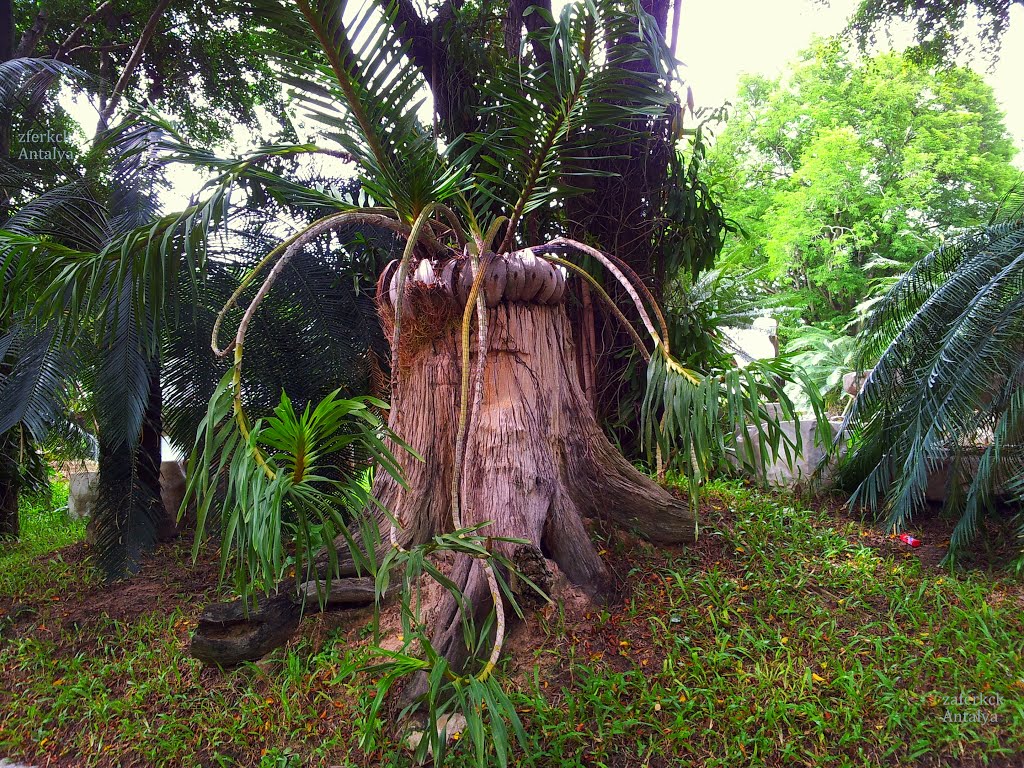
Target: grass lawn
{"points": [[788, 636]]}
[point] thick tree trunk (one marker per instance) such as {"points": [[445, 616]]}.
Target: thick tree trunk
{"points": [[130, 515], [537, 465]]}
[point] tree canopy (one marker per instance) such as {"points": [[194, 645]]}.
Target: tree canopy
{"points": [[846, 170], [938, 24]]}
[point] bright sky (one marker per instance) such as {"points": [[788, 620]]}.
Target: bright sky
{"points": [[721, 39]]}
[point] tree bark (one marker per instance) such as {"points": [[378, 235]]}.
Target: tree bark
{"points": [[10, 486], [537, 465]]}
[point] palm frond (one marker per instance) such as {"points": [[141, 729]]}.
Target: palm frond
{"points": [[34, 373], [704, 423], [547, 127], [363, 92], [945, 392]]}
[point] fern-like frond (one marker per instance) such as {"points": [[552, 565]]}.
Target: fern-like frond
{"points": [[363, 93], [547, 127], [705, 422], [34, 374], [945, 393]]}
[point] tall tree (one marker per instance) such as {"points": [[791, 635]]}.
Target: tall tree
{"points": [[187, 58], [938, 24], [847, 170]]}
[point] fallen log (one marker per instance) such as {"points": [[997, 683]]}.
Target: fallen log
{"points": [[227, 634]]}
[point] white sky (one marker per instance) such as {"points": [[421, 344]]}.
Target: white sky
{"points": [[721, 39]]}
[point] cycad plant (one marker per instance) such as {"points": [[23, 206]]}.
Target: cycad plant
{"points": [[946, 395], [68, 273], [502, 459], [33, 388], [499, 443]]}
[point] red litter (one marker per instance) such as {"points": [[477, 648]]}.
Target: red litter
{"points": [[906, 538]]}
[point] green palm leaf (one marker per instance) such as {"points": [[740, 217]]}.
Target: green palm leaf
{"points": [[945, 393]]}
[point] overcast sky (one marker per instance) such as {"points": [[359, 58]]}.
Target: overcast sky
{"points": [[721, 39]]}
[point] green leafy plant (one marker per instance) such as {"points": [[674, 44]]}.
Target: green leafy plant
{"points": [[945, 393], [826, 359], [598, 78]]}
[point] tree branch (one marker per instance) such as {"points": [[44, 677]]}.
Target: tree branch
{"points": [[81, 28], [32, 34], [133, 63]]}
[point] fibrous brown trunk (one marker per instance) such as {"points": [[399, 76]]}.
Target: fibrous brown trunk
{"points": [[537, 465], [10, 485]]}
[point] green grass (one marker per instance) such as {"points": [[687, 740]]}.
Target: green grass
{"points": [[45, 528], [779, 640]]}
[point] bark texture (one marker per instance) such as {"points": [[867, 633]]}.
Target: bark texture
{"points": [[10, 485], [537, 465]]}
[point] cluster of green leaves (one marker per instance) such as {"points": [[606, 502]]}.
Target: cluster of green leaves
{"points": [[702, 426], [946, 394], [545, 129], [939, 25], [476, 695], [228, 79], [841, 172], [825, 359], [282, 484]]}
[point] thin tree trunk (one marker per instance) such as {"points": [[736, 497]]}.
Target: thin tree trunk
{"points": [[10, 486], [133, 62], [6, 53]]}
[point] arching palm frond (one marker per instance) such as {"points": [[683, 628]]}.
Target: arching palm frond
{"points": [[945, 393], [546, 129], [319, 313], [34, 377], [364, 94]]}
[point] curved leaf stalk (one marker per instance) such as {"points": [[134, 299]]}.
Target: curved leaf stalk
{"points": [[596, 286], [291, 247], [613, 265], [454, 224], [476, 300], [499, 628], [248, 279]]}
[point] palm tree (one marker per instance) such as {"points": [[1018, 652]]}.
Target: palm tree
{"points": [[81, 269], [32, 390], [946, 391], [497, 434]]}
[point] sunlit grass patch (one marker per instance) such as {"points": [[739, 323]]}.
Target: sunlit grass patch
{"points": [[45, 528]]}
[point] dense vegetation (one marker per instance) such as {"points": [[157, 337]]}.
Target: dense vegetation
{"points": [[845, 172], [467, 390]]}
